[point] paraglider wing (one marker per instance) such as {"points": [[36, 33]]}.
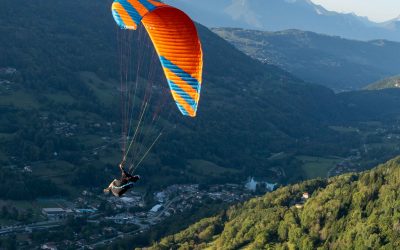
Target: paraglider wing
{"points": [[176, 41]]}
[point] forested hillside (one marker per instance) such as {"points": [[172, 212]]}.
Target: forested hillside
{"points": [[60, 110], [332, 61], [351, 211]]}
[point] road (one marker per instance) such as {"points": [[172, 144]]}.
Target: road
{"points": [[121, 236], [30, 227], [165, 207]]}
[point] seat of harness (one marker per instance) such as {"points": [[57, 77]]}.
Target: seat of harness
{"points": [[129, 184]]}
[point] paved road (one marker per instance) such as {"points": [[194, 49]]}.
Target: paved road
{"points": [[30, 227], [121, 236]]}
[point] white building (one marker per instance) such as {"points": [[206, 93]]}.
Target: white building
{"points": [[49, 246], [160, 196], [156, 208], [28, 169], [251, 184], [127, 200], [270, 186]]}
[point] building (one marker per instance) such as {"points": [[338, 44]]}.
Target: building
{"points": [[156, 208], [49, 246], [160, 196], [123, 218], [28, 169], [299, 206], [85, 211], [128, 200], [270, 186], [86, 193], [251, 185], [7, 71], [56, 213], [306, 196]]}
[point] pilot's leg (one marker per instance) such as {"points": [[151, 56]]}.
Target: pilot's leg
{"points": [[106, 190]]}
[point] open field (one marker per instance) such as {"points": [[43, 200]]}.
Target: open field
{"points": [[61, 98], [202, 167], [20, 99], [315, 167], [343, 129], [106, 91]]}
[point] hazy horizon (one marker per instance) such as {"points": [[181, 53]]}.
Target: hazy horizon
{"points": [[377, 11]]}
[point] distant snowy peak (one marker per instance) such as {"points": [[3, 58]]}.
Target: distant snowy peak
{"points": [[253, 12], [241, 10], [300, 1], [317, 8], [393, 24], [319, 12], [275, 15], [396, 20]]}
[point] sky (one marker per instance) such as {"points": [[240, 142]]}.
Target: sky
{"points": [[375, 10]]}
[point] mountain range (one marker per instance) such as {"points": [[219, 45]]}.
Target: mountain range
{"points": [[60, 118], [276, 15], [67, 74], [338, 63]]}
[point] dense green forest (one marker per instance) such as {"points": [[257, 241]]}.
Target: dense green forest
{"points": [[63, 100], [351, 211]]}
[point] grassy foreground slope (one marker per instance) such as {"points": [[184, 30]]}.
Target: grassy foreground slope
{"points": [[351, 211]]}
